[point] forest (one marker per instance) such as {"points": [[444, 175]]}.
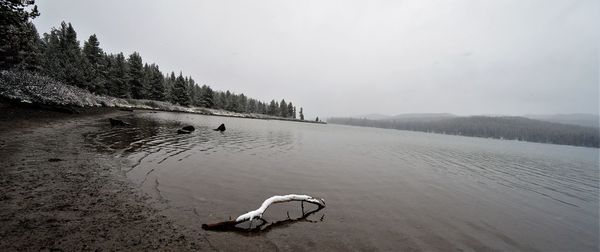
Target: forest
{"points": [[58, 54], [500, 127]]}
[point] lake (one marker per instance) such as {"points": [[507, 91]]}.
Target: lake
{"points": [[384, 189]]}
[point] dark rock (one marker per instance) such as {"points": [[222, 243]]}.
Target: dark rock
{"points": [[220, 128], [188, 128], [117, 122], [126, 109], [182, 131], [54, 160]]}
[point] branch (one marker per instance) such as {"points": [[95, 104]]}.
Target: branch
{"points": [[257, 214]]}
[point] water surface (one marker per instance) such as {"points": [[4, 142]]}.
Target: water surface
{"points": [[385, 189]]}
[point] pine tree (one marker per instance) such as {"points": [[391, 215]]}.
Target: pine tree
{"points": [[242, 103], [51, 62], [251, 106], [290, 110], [156, 85], [207, 99], [301, 114], [118, 79], [283, 109], [19, 41], [197, 98], [180, 94], [191, 89], [70, 56], [136, 76], [273, 108], [94, 65], [219, 99]]}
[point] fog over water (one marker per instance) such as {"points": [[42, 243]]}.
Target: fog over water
{"points": [[385, 190], [340, 58]]}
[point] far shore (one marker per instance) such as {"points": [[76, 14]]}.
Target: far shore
{"points": [[148, 105]]}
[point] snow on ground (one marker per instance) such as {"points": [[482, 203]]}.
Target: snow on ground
{"points": [[32, 88]]}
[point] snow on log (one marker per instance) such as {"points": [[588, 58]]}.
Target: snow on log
{"points": [[257, 214], [278, 199]]}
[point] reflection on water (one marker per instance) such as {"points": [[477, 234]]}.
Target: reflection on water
{"points": [[386, 189]]}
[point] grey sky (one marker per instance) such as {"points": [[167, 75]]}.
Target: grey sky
{"points": [[339, 58]]}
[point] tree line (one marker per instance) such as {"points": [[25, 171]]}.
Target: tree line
{"points": [[58, 54], [504, 127]]}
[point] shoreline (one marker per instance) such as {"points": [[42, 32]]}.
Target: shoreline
{"points": [[58, 193], [149, 105]]}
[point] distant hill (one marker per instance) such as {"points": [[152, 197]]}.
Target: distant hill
{"points": [[412, 116], [373, 116], [589, 120], [422, 117], [501, 127]]}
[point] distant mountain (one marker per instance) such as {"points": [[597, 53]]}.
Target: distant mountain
{"points": [[411, 116], [501, 127], [422, 117], [373, 116], [588, 120]]}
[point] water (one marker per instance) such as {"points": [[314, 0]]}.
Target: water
{"points": [[385, 189]]}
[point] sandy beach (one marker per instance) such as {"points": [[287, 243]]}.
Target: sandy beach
{"points": [[57, 194]]}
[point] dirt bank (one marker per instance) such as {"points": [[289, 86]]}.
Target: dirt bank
{"points": [[58, 194]]}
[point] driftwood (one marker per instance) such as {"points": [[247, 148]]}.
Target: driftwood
{"points": [[257, 214]]}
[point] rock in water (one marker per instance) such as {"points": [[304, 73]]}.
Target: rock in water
{"points": [[189, 128], [221, 127], [117, 122], [182, 131]]}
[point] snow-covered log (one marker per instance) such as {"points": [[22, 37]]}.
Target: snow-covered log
{"points": [[258, 213]]}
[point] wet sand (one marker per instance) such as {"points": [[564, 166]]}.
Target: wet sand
{"points": [[57, 194]]}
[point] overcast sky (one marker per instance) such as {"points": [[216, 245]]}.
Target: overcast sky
{"points": [[340, 58]]}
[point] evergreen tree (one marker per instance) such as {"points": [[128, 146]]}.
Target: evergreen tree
{"points": [[180, 94], [283, 109], [19, 40], [290, 110], [169, 84], [118, 79], [70, 56], [136, 76], [51, 64], [192, 91], [197, 98], [207, 99], [273, 108], [156, 83], [301, 114], [242, 103], [94, 65], [62, 58], [31, 50], [230, 101], [251, 106], [220, 100]]}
